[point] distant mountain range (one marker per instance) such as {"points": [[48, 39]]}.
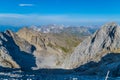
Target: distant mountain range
{"points": [[53, 28], [73, 30]]}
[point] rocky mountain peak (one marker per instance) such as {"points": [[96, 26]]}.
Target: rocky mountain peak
{"points": [[107, 36], [106, 39], [8, 32], [109, 29]]}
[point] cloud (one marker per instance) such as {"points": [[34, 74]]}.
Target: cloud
{"points": [[23, 5], [38, 19]]}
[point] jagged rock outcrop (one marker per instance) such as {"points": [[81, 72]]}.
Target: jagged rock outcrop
{"points": [[33, 37], [6, 60], [15, 52], [23, 44], [105, 40]]}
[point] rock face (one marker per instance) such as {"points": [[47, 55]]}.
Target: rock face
{"points": [[5, 58], [103, 41], [33, 37], [15, 52]]}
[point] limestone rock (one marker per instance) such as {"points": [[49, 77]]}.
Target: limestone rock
{"points": [[105, 40], [15, 52]]}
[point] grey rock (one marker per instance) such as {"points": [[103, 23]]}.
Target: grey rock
{"points": [[105, 40], [15, 52]]}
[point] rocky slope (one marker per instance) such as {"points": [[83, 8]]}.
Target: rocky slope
{"points": [[50, 48], [15, 52], [103, 41]]}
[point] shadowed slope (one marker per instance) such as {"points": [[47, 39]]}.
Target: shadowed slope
{"points": [[111, 62], [25, 60]]}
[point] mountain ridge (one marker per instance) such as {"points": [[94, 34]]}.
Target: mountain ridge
{"points": [[104, 40]]}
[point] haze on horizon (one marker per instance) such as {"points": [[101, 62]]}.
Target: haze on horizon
{"points": [[71, 12]]}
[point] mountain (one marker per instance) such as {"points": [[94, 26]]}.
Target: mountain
{"points": [[40, 54], [50, 48], [52, 28], [58, 48], [103, 41], [72, 30], [30, 49], [77, 31]]}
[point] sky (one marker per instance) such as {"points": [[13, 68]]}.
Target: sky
{"points": [[70, 12]]}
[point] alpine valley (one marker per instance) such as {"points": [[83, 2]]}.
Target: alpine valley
{"points": [[60, 53]]}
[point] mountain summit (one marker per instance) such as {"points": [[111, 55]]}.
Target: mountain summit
{"points": [[105, 40]]}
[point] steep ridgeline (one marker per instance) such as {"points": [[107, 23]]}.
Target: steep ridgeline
{"points": [[15, 52], [105, 40]]}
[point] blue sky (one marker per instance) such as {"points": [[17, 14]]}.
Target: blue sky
{"points": [[73, 12]]}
